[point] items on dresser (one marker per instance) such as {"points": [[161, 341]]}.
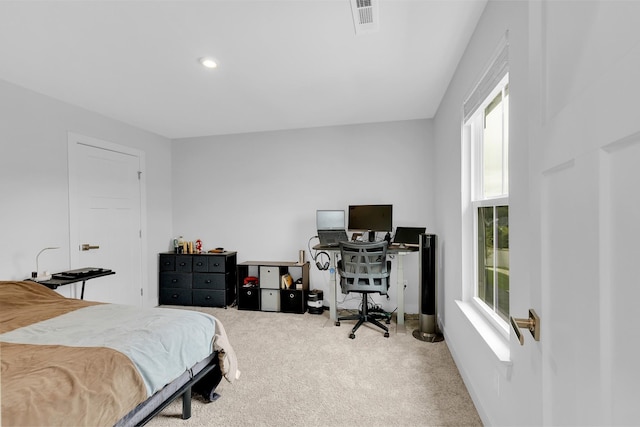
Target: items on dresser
{"points": [[181, 246], [273, 286], [207, 280]]}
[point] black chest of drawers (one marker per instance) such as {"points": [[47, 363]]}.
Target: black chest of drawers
{"points": [[206, 280]]}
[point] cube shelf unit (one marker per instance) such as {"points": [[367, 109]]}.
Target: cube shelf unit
{"points": [[268, 294]]}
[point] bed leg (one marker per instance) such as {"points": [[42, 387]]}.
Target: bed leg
{"points": [[186, 404]]}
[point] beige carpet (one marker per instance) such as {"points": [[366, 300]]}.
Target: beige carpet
{"points": [[301, 370]]}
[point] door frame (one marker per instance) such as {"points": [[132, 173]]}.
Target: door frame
{"points": [[73, 140]]}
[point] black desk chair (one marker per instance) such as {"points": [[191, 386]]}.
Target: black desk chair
{"points": [[364, 268]]}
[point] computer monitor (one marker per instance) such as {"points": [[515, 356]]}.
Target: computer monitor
{"points": [[330, 219], [371, 217], [408, 236]]}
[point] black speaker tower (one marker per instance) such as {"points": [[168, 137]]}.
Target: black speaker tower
{"points": [[428, 302]]}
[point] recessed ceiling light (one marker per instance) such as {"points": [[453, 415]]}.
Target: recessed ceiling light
{"points": [[208, 62]]}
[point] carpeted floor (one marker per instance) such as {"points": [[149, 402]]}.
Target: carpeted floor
{"points": [[301, 370]]}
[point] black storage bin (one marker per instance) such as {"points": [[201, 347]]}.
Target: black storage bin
{"points": [[292, 301], [249, 298]]}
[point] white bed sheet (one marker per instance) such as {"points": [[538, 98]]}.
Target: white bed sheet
{"points": [[161, 342]]}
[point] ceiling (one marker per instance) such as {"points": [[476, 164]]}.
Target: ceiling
{"points": [[283, 64]]}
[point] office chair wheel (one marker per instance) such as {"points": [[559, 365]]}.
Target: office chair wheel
{"points": [[388, 321], [352, 335], [386, 334], [338, 323]]}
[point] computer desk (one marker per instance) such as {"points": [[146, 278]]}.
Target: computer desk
{"points": [[393, 249]]}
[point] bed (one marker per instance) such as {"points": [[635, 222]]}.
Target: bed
{"points": [[73, 362]]}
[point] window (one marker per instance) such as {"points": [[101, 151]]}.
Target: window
{"points": [[490, 199], [486, 128]]}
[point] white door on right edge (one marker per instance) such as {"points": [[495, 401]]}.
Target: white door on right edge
{"points": [[586, 151]]}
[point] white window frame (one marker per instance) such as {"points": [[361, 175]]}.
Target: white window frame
{"points": [[475, 127], [492, 82]]}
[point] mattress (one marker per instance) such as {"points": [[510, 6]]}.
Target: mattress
{"points": [[67, 361]]}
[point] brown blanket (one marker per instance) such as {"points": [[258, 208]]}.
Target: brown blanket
{"points": [[24, 303], [47, 385], [56, 385]]}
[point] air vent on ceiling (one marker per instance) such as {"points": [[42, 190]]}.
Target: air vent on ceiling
{"points": [[365, 15]]}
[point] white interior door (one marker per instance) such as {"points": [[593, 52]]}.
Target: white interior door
{"points": [[585, 150], [570, 247], [105, 205], [590, 271]]}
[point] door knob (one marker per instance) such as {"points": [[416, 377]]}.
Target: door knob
{"points": [[532, 323], [88, 247]]}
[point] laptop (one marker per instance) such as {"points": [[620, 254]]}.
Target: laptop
{"points": [[330, 225], [408, 236]]}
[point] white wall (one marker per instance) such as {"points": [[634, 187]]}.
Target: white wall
{"points": [[258, 193], [495, 396], [34, 181], [253, 193]]}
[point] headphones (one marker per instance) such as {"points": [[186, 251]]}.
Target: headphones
{"points": [[322, 266]]}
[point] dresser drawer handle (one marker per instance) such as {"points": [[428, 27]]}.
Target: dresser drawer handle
{"points": [[207, 281], [175, 296], [182, 264], [174, 280], [199, 264], [207, 297]]}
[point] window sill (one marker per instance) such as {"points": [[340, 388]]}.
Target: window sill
{"points": [[498, 344]]}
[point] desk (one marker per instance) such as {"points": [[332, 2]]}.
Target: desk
{"points": [[392, 250], [69, 277]]}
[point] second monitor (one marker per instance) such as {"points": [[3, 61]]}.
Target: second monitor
{"points": [[370, 218]]}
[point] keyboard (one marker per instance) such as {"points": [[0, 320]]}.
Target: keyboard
{"points": [[332, 238], [79, 273]]}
